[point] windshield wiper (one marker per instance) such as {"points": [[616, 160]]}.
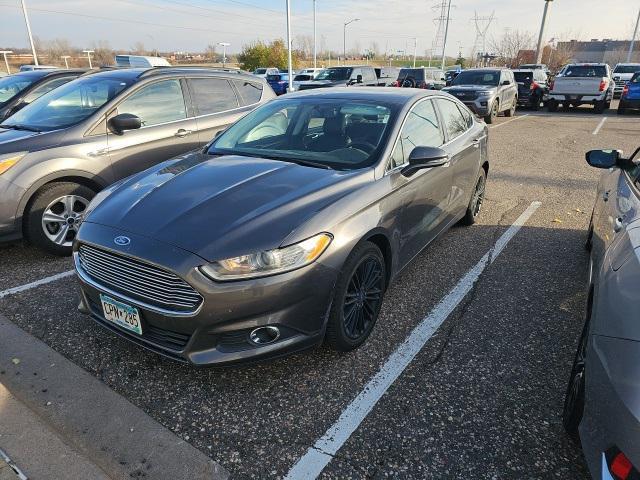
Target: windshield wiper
{"points": [[299, 161], [21, 127]]}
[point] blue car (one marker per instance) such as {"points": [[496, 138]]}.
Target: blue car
{"points": [[630, 95], [279, 82]]}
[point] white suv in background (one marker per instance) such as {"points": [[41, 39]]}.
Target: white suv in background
{"points": [[622, 74]]}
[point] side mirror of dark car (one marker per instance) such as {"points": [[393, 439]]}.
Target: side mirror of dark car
{"points": [[425, 157], [125, 121], [603, 158], [506, 82]]}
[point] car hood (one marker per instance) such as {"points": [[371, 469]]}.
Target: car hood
{"points": [[474, 88], [221, 207], [8, 135]]}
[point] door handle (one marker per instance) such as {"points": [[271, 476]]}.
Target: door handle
{"points": [[182, 133], [618, 224]]}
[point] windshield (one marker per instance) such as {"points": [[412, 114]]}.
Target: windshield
{"points": [[627, 69], [12, 85], [69, 104], [327, 133], [417, 73], [635, 78], [335, 74], [478, 77], [597, 71]]}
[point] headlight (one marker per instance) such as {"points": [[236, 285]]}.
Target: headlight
{"points": [[485, 94], [269, 262], [9, 160]]}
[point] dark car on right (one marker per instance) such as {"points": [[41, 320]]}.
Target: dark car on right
{"points": [[344, 76], [20, 89], [630, 97], [533, 86], [486, 91]]}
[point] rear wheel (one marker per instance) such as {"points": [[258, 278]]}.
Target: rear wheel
{"points": [[475, 204], [552, 105], [55, 214], [599, 106], [493, 113], [621, 108], [357, 298]]}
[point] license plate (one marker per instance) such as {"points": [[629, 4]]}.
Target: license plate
{"points": [[121, 314]]}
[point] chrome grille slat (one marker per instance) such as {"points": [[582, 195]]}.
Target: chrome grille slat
{"points": [[137, 279]]}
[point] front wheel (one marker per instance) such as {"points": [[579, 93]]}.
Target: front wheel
{"points": [[490, 117], [54, 216], [475, 204], [552, 105], [357, 298], [512, 111]]}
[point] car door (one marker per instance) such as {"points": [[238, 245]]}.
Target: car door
{"points": [[425, 194], [464, 146], [168, 128], [216, 105]]}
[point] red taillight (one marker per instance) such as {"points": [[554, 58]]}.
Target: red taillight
{"points": [[621, 466], [625, 90], [603, 86]]}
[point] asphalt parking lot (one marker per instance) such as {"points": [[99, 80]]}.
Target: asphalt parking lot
{"points": [[482, 398]]}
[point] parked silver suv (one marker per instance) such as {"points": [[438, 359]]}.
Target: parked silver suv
{"points": [[59, 151]]}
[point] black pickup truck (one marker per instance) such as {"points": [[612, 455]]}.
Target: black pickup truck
{"points": [[346, 76]]}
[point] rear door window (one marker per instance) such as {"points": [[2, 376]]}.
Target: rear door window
{"points": [[212, 95], [157, 103], [454, 121], [250, 92]]}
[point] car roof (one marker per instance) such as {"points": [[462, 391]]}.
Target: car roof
{"points": [[46, 72], [148, 72], [398, 96]]}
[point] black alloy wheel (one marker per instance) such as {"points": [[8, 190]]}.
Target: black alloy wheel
{"points": [[357, 299], [475, 205]]}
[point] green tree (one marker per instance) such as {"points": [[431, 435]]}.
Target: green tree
{"points": [[260, 54]]}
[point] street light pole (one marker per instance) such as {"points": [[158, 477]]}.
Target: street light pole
{"points": [[289, 60], [224, 46], [26, 20], [89, 52], [344, 40], [633, 40], [315, 50], [544, 21], [6, 62], [446, 33], [66, 62], [415, 50]]}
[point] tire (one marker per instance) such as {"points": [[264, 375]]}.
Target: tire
{"points": [[475, 204], [55, 234], [573, 408], [353, 315], [409, 82], [621, 109], [552, 105], [492, 114], [588, 244], [566, 106], [599, 106], [512, 111]]}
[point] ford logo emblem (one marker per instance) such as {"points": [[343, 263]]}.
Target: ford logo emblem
{"points": [[122, 240]]}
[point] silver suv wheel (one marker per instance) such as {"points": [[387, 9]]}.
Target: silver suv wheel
{"points": [[61, 219]]}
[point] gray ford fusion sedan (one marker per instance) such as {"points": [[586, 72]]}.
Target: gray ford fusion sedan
{"points": [[602, 404], [286, 229]]}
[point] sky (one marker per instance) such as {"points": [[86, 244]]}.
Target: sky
{"points": [[191, 25]]}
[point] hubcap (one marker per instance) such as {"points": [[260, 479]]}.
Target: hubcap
{"points": [[363, 298], [62, 218], [478, 196]]}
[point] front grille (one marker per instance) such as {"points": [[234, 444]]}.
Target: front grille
{"points": [[464, 96], [621, 83], [138, 280]]}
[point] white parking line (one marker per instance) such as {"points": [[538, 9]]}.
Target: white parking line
{"points": [[604, 119], [37, 283], [509, 121], [320, 454]]}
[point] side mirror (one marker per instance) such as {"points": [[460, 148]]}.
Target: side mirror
{"points": [[603, 158], [425, 157], [124, 121], [218, 133], [506, 82]]}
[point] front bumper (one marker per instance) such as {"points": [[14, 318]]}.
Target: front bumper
{"points": [[612, 401], [10, 195], [217, 333], [480, 106]]}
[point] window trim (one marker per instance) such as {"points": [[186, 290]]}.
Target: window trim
{"points": [[404, 121]]}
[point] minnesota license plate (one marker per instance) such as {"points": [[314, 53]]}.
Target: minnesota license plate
{"points": [[121, 314]]}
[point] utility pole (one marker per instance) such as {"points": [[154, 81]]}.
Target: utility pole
{"points": [[66, 61], [446, 33], [344, 40], [633, 40], [315, 50], [289, 60], [224, 46], [6, 62], [26, 20], [89, 52], [544, 21], [415, 50]]}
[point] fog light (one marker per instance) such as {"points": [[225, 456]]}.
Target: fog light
{"points": [[264, 335], [484, 104]]}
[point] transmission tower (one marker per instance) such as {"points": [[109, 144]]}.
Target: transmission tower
{"points": [[482, 25], [443, 10]]}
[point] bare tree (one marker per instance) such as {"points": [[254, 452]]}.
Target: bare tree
{"points": [[510, 47], [210, 52], [304, 45], [138, 48], [103, 53]]}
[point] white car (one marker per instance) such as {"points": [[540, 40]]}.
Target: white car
{"points": [[310, 71], [263, 72], [582, 83], [622, 74]]}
